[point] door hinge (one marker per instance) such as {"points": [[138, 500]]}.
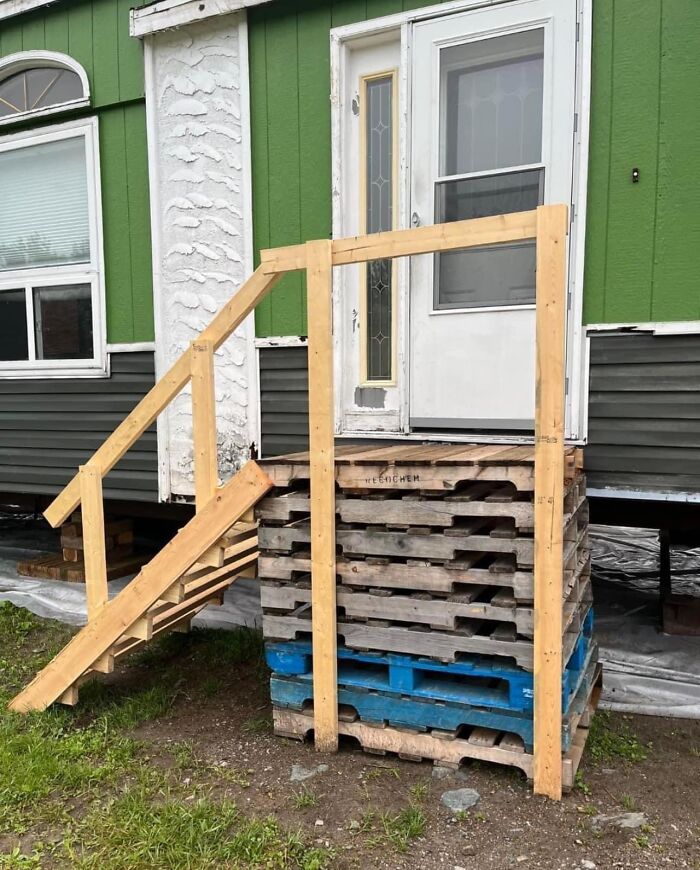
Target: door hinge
{"points": [[575, 122], [578, 30], [566, 386]]}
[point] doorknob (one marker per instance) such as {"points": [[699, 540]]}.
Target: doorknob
{"points": [[415, 219]]}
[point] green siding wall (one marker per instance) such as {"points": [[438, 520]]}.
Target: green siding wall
{"points": [[96, 34], [291, 133], [643, 240]]}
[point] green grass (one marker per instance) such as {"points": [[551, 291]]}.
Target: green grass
{"points": [[628, 802], [305, 799], [82, 792], [137, 831], [611, 739], [403, 827]]}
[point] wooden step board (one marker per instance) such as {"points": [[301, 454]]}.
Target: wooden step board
{"points": [[167, 593]]}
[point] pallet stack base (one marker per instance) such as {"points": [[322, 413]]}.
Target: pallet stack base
{"points": [[69, 564], [435, 591]]}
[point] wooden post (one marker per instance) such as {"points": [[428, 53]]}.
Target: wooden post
{"points": [[93, 539], [322, 461], [206, 470], [549, 496]]}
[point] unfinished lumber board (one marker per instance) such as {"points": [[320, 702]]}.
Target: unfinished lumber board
{"points": [[319, 283], [94, 537], [549, 494], [403, 243], [237, 496]]}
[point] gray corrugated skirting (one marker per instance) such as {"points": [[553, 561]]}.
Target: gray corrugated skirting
{"points": [[50, 427], [644, 412]]}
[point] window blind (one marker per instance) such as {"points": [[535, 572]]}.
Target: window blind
{"points": [[44, 205]]}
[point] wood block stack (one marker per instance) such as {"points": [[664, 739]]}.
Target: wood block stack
{"points": [[435, 552], [69, 564]]}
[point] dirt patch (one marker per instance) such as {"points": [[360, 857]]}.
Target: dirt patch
{"points": [[356, 805]]}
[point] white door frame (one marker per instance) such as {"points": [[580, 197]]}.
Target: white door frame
{"points": [[342, 39]]}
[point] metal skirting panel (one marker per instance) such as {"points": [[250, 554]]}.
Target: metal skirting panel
{"points": [[644, 412], [284, 400], [50, 427]]}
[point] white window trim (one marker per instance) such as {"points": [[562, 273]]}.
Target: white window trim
{"points": [[92, 272], [22, 60]]}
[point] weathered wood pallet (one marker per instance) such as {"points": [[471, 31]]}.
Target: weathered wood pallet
{"points": [[417, 576], [444, 614], [471, 536], [479, 637], [423, 468], [445, 749], [478, 499], [53, 566]]}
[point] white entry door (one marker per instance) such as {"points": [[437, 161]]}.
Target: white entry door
{"points": [[492, 110]]}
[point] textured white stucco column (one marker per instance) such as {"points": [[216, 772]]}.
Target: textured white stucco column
{"points": [[199, 153]]}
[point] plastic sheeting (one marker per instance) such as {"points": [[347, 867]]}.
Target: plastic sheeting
{"points": [[644, 671]]}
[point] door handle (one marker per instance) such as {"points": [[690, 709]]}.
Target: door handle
{"points": [[415, 219]]}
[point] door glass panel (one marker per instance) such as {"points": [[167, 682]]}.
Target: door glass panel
{"points": [[495, 275], [491, 120], [492, 103], [379, 198]]}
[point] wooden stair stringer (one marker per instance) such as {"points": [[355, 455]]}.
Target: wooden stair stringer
{"points": [[229, 504]]}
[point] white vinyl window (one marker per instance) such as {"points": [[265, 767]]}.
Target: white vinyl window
{"points": [[51, 253]]}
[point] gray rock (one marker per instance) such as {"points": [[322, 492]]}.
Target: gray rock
{"points": [[460, 799], [440, 773], [300, 773], [588, 865], [623, 821]]}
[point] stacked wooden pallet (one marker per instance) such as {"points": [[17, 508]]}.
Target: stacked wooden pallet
{"points": [[435, 553], [69, 564]]}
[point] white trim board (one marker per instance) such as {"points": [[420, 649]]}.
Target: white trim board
{"points": [[9, 8], [132, 347], [176, 13], [676, 327]]}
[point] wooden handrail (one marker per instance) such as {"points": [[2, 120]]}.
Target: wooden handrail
{"points": [[548, 225], [494, 230], [132, 427]]}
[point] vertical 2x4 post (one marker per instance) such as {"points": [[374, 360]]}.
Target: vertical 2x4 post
{"points": [[552, 223], [319, 282]]}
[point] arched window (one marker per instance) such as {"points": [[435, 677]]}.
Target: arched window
{"points": [[40, 82]]}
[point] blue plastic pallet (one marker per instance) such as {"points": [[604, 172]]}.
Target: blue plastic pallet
{"points": [[423, 714], [479, 681]]}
